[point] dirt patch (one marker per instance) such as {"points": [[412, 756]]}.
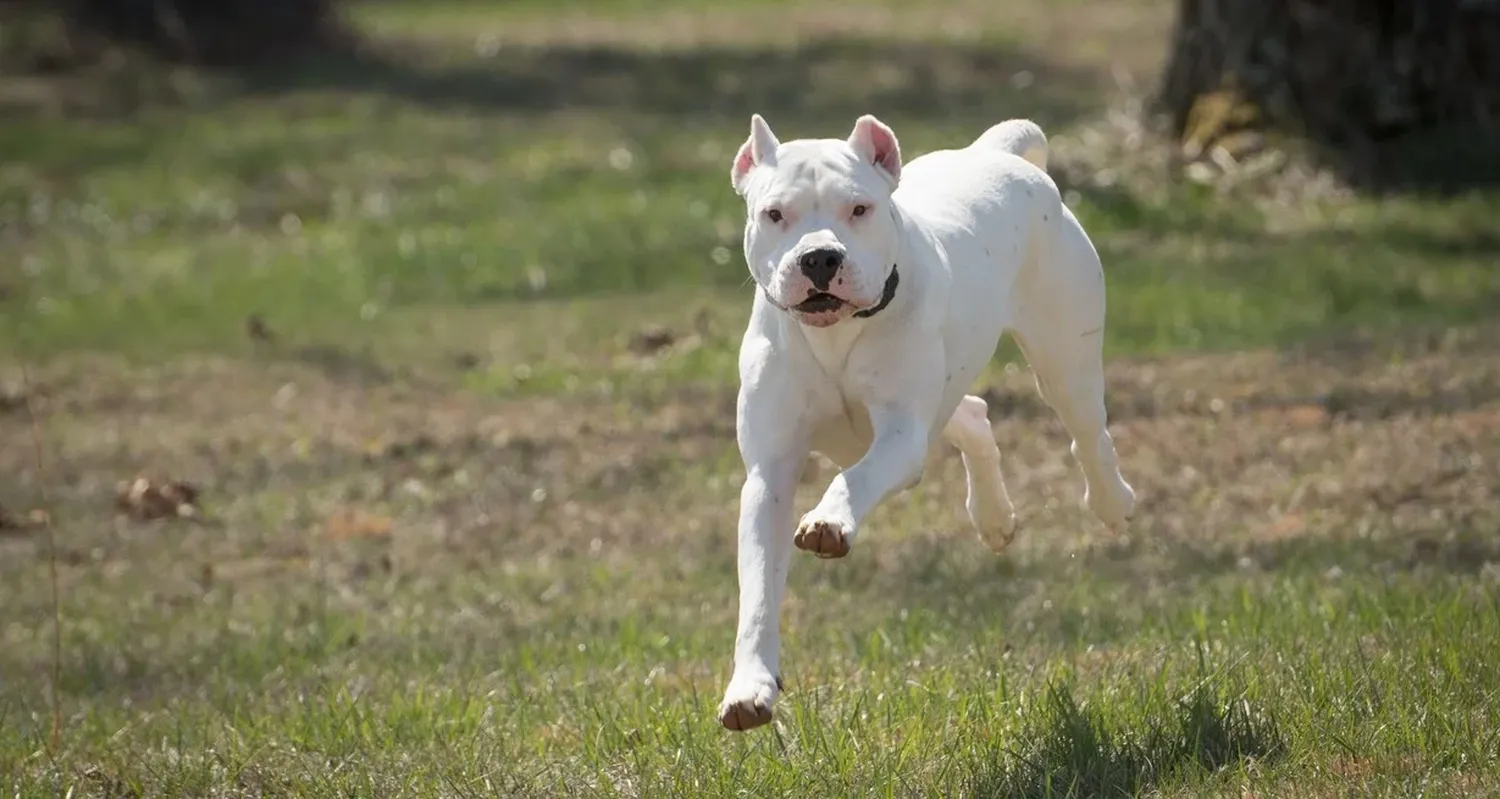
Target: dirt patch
{"points": [[1240, 453]]}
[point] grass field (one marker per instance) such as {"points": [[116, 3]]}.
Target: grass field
{"points": [[446, 339]]}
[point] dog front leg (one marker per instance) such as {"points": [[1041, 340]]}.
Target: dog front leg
{"points": [[774, 460], [893, 462]]}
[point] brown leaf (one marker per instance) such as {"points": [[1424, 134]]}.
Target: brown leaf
{"points": [[109, 785], [1307, 416], [347, 524], [652, 339], [257, 329], [10, 523], [1287, 525], [11, 399], [146, 500]]}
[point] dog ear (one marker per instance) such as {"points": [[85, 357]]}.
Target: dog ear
{"points": [[758, 150], [873, 141]]}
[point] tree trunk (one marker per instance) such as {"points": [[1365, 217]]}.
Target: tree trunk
{"points": [[205, 32], [1341, 72]]}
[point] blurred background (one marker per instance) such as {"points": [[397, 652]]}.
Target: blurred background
{"points": [[366, 365], [172, 167]]}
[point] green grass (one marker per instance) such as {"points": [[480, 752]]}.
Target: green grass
{"points": [[598, 675], [192, 222], [577, 172], [459, 250]]}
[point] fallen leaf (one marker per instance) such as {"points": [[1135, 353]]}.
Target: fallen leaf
{"points": [[11, 524], [1288, 525], [145, 500], [652, 339], [109, 784], [11, 399], [257, 329], [467, 361], [348, 524], [1307, 416]]}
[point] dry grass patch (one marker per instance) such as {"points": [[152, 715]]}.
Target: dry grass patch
{"points": [[1234, 451]]}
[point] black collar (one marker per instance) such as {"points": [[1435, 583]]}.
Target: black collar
{"points": [[888, 294]]}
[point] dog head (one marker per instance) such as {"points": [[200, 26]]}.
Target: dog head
{"points": [[821, 233]]}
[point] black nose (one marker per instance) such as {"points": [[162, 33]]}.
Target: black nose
{"points": [[821, 265]]}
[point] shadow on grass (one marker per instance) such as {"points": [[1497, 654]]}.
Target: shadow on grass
{"points": [[818, 78], [1441, 162], [1124, 208], [1153, 558], [825, 78], [1342, 398], [1072, 749], [1467, 549]]}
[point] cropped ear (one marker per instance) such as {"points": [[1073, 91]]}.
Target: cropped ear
{"points": [[758, 150], [876, 144]]}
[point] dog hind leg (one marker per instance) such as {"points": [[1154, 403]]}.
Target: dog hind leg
{"points": [[1061, 333], [988, 503]]}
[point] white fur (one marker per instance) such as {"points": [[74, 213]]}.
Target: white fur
{"points": [[983, 245]]}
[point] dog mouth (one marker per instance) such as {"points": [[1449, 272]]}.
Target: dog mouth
{"points": [[820, 302]]}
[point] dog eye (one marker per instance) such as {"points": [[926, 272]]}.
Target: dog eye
{"points": [[859, 210], [774, 215]]}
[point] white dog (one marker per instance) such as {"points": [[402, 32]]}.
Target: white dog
{"points": [[883, 293]]}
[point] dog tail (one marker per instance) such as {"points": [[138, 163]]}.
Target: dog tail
{"points": [[1019, 137]]}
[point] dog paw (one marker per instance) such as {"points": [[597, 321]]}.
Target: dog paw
{"points": [[994, 519], [998, 536], [824, 537], [747, 702], [1114, 507]]}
